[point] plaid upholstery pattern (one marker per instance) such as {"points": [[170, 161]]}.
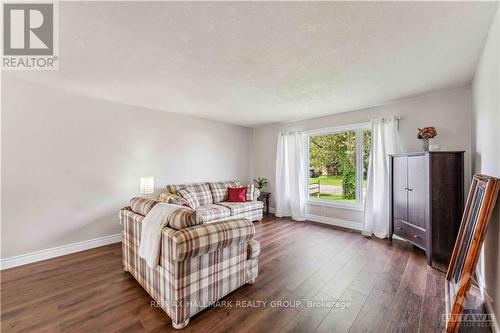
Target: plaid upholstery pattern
{"points": [[174, 188], [183, 288], [203, 239], [253, 215], [183, 218], [190, 196], [212, 212], [241, 207], [142, 205], [250, 192], [202, 191], [204, 194], [219, 190]]}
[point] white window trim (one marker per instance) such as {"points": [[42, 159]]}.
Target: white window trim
{"points": [[359, 128]]}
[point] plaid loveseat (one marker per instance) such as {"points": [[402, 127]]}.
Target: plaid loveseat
{"points": [[198, 264], [214, 207]]}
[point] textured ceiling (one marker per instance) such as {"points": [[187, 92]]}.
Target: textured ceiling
{"points": [[250, 63]]}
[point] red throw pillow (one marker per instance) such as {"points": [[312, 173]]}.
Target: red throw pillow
{"points": [[237, 194]]}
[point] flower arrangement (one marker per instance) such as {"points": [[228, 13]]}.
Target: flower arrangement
{"points": [[426, 133]]}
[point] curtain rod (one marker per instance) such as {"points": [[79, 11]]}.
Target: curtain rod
{"points": [[395, 117], [300, 131], [289, 132]]}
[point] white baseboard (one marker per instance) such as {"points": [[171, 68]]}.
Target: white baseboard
{"points": [[489, 309], [335, 222], [28, 258]]}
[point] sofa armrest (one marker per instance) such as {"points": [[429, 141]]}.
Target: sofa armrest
{"points": [[256, 194], [206, 238], [142, 205]]}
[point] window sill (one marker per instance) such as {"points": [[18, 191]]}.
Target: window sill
{"points": [[340, 205]]}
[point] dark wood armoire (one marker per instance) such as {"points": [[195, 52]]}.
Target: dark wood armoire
{"points": [[427, 201]]}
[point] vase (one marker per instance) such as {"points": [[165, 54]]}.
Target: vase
{"points": [[425, 144]]}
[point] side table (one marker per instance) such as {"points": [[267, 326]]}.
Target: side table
{"points": [[264, 197]]}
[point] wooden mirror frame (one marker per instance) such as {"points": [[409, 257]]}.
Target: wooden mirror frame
{"points": [[478, 209]]}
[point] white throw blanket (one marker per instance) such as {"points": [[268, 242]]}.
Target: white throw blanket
{"points": [[152, 225]]}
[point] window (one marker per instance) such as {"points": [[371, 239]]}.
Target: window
{"points": [[338, 165]]}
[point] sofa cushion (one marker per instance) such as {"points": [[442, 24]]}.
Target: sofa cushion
{"points": [[241, 207], [237, 194], [250, 192], [174, 188], [190, 196], [204, 194], [202, 191], [212, 212], [219, 190], [142, 205], [172, 198]]}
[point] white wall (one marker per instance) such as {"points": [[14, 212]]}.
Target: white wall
{"points": [[70, 162], [449, 111], [486, 147]]}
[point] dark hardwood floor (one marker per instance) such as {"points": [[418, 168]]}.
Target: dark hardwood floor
{"points": [[381, 287]]}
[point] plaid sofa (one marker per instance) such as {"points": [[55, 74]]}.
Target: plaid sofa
{"points": [[214, 206], [198, 264]]}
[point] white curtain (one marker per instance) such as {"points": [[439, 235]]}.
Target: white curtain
{"points": [[385, 140], [290, 176]]}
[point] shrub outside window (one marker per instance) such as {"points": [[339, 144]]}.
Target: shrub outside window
{"points": [[337, 164]]}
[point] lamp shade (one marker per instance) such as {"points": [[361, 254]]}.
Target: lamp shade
{"points": [[147, 185]]}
